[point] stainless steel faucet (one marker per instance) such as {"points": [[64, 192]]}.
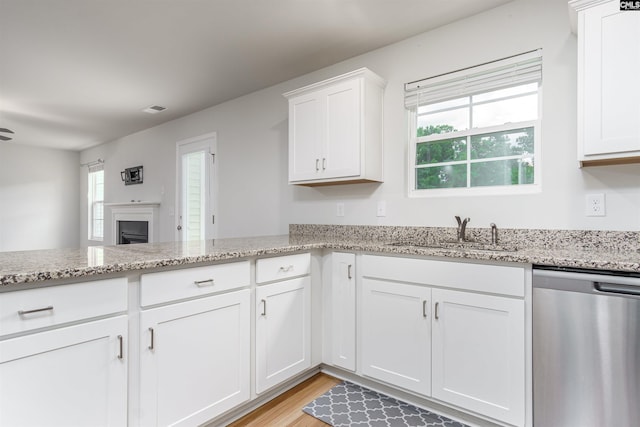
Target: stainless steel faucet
{"points": [[462, 226]]}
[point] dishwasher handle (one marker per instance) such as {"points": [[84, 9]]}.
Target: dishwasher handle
{"points": [[615, 288]]}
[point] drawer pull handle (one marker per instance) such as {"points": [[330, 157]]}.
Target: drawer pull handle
{"points": [[152, 344], [286, 269], [424, 308], [201, 283], [37, 310], [435, 312], [349, 276], [121, 353], [264, 307]]}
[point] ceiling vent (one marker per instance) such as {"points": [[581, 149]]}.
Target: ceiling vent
{"points": [[4, 137], [154, 109]]}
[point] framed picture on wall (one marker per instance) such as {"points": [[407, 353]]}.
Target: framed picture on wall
{"points": [[132, 175]]}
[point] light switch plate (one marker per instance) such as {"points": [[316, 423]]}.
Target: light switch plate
{"points": [[381, 209], [339, 209]]}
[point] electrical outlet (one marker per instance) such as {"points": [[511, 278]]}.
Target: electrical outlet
{"points": [[381, 210], [339, 209], [595, 205]]}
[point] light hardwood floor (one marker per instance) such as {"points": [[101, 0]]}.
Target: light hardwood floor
{"points": [[286, 409]]}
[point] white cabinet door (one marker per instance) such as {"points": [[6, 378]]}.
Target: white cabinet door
{"points": [[305, 127], [396, 334], [283, 331], [194, 359], [73, 376], [342, 111], [343, 310], [609, 65], [478, 353]]}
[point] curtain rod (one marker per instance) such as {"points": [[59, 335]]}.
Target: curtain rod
{"points": [[93, 163]]}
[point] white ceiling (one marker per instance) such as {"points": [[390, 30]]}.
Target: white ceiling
{"points": [[77, 73]]}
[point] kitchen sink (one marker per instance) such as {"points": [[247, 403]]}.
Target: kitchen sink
{"points": [[453, 244]]}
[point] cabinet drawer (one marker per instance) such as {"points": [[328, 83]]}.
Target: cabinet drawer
{"points": [[282, 267], [156, 288], [497, 279], [30, 309]]}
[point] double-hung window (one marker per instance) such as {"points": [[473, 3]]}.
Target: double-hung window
{"points": [[477, 130], [95, 200]]}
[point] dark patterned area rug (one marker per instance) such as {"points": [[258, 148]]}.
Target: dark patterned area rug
{"points": [[348, 404]]}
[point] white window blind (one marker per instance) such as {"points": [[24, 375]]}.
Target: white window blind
{"points": [[511, 71]]}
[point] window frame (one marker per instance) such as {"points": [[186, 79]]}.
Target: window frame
{"points": [[94, 202], [414, 140]]}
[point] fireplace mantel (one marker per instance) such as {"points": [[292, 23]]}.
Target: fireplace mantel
{"points": [[134, 211], [132, 203]]}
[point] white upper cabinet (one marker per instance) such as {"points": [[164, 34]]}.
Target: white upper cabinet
{"points": [[335, 130], [608, 89]]}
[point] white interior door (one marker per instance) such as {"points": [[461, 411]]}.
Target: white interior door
{"points": [[195, 219]]}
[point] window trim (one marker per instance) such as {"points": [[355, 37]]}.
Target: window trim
{"points": [[92, 202]]}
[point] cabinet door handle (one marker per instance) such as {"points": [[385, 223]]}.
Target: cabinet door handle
{"points": [[201, 283], [264, 307], [424, 308], [121, 345], [349, 276], [152, 343], [317, 165], [37, 310], [435, 312], [324, 163]]}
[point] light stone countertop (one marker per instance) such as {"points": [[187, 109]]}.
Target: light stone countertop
{"points": [[34, 267]]}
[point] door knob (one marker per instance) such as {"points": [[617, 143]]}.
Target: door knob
{"points": [[179, 227]]}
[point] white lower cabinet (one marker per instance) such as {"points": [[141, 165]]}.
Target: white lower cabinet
{"points": [[450, 331], [283, 331], [478, 353], [343, 311], [396, 334], [72, 376], [194, 359]]}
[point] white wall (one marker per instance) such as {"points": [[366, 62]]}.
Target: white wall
{"points": [[254, 198], [251, 160], [39, 198]]}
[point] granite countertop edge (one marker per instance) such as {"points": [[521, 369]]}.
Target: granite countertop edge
{"points": [[23, 268]]}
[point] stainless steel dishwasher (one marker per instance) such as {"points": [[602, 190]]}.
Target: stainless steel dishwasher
{"points": [[586, 348]]}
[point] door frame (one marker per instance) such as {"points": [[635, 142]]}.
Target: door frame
{"points": [[212, 197]]}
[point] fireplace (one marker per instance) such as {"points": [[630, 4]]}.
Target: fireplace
{"points": [[133, 232], [137, 220]]}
